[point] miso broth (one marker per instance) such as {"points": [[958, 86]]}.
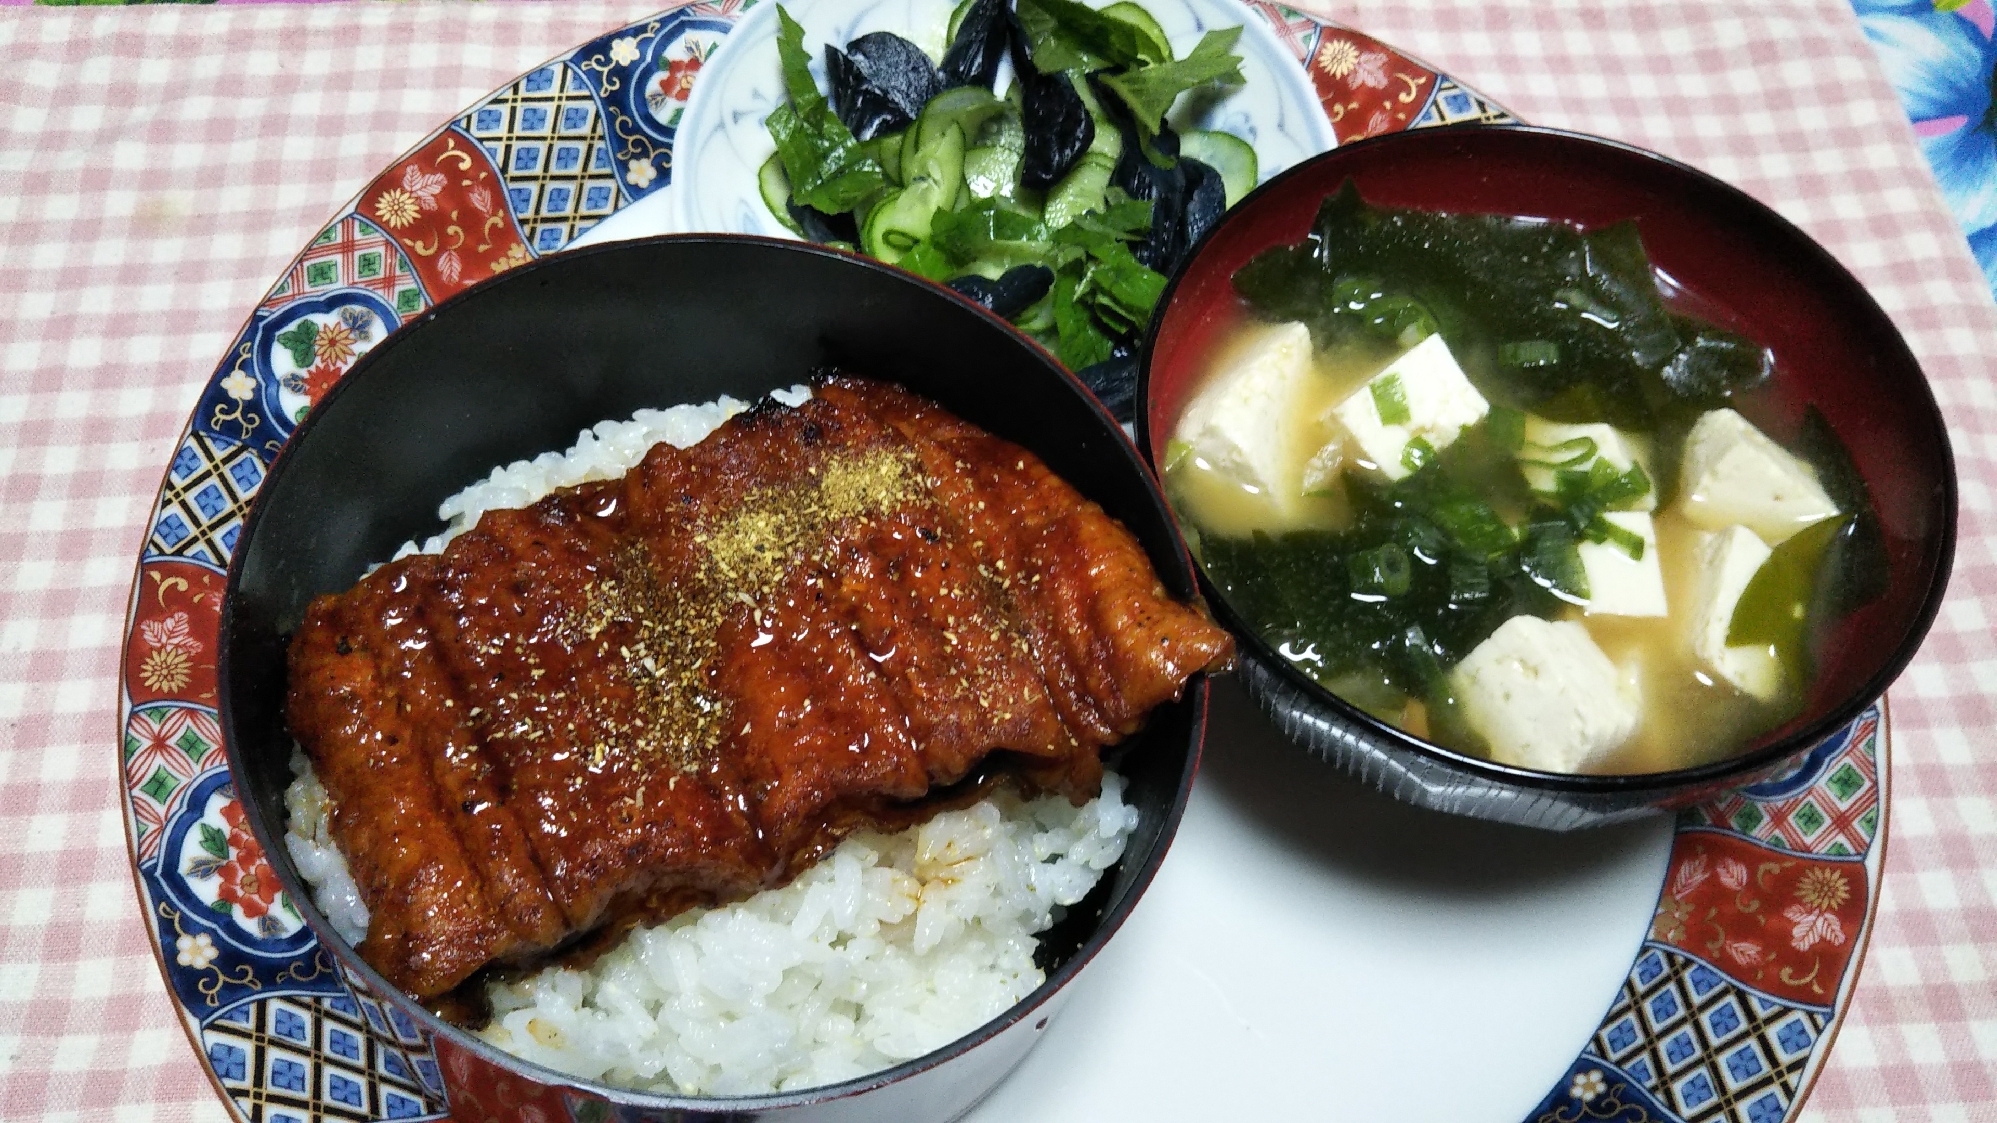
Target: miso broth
{"points": [[1383, 508]]}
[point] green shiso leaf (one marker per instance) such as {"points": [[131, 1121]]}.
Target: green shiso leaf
{"points": [[1065, 35], [1150, 91], [828, 169]]}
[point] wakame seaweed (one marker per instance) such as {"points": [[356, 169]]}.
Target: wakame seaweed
{"points": [[1856, 567], [1578, 314], [1426, 572]]}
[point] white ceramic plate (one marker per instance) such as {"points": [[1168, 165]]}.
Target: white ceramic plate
{"points": [[1309, 949]]}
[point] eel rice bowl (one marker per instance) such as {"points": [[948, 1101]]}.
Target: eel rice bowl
{"points": [[892, 924]]}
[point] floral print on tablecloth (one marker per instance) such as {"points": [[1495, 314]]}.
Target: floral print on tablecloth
{"points": [[1940, 55]]}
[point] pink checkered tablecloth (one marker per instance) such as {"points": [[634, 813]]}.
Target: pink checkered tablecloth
{"points": [[160, 166]]}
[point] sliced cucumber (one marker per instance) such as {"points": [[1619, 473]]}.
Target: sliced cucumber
{"points": [[992, 172], [1158, 45], [887, 150], [901, 219], [991, 169], [1109, 139], [1080, 191], [939, 163], [1231, 156], [774, 184], [967, 107], [892, 225], [1001, 257], [867, 205]]}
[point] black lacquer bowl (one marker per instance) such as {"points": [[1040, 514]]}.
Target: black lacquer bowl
{"points": [[518, 366], [1745, 266]]}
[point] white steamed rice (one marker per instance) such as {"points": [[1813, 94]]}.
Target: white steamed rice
{"points": [[891, 947]]}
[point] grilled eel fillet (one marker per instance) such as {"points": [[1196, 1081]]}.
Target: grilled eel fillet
{"points": [[684, 685]]}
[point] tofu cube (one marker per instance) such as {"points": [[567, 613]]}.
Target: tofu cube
{"points": [[1544, 696], [1620, 585], [1424, 394], [1619, 449], [1243, 421], [1727, 561], [1734, 475]]}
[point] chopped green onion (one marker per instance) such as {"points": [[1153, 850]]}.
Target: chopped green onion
{"points": [[1584, 513], [1600, 487], [1406, 320], [1389, 315], [1424, 540], [1628, 541], [1176, 452], [1474, 525], [1382, 571], [1577, 483], [1417, 454], [1626, 488], [1390, 398], [1567, 454], [1353, 294], [1529, 353]]}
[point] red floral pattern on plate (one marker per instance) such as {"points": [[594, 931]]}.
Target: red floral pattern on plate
{"points": [[248, 882], [444, 205], [1781, 922], [168, 656], [1367, 88], [676, 83]]}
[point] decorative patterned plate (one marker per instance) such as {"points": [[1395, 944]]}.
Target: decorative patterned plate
{"points": [[1760, 916]]}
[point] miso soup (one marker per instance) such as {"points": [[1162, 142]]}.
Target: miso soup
{"points": [[1484, 478]]}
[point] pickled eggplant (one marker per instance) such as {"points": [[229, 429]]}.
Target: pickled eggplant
{"points": [[1205, 201], [1059, 128], [1016, 290], [978, 45], [817, 226], [861, 106], [880, 83], [1114, 382]]}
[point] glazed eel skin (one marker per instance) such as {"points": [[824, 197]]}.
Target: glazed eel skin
{"points": [[682, 686]]}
